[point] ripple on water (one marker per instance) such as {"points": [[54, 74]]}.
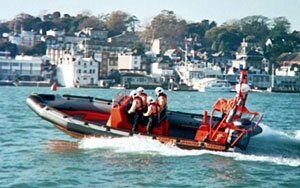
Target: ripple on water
{"points": [[29, 159]]}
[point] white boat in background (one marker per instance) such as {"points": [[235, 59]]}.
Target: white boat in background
{"points": [[212, 85], [119, 86]]}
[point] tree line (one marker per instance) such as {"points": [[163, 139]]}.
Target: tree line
{"points": [[206, 34]]}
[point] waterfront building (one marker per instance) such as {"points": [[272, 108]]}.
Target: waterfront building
{"points": [[249, 57], [174, 54], [58, 34], [129, 60], [190, 73], [287, 76], [109, 63], [133, 80], [77, 70], [21, 66], [289, 59], [162, 67], [128, 39], [97, 46], [25, 38], [94, 34]]}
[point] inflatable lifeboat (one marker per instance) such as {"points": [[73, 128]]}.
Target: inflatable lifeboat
{"points": [[229, 125]]}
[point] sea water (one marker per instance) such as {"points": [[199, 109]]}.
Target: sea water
{"points": [[33, 153]]}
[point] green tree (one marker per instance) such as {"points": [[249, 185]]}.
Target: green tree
{"points": [[4, 28], [117, 22], [93, 22], [56, 15], [9, 47], [224, 38], [66, 21], [133, 22], [281, 26], [257, 26], [38, 49], [168, 26], [198, 29], [24, 21], [139, 48]]}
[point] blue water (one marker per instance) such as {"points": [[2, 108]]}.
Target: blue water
{"points": [[36, 154]]}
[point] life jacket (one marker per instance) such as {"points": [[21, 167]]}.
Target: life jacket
{"points": [[143, 96], [155, 109], [139, 102], [164, 98]]}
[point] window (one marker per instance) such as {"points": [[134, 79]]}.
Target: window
{"points": [[84, 65], [84, 71], [90, 71], [91, 63], [79, 71], [78, 62], [141, 80]]}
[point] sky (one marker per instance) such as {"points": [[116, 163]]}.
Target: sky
{"points": [[219, 11]]}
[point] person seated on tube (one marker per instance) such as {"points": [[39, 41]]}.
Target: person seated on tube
{"points": [[152, 113], [136, 109]]}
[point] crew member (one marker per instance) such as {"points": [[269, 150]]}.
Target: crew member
{"points": [[161, 100], [136, 109], [161, 97], [143, 95], [152, 113]]}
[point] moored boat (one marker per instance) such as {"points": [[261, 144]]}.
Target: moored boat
{"points": [[6, 83], [213, 85], [88, 116]]}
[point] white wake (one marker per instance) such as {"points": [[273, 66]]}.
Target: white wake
{"points": [[297, 134], [141, 145]]}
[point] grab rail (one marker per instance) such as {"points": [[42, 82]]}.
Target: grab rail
{"points": [[213, 132]]}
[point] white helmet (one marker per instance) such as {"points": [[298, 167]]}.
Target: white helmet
{"points": [[159, 90], [133, 93], [140, 90], [245, 88], [150, 100]]}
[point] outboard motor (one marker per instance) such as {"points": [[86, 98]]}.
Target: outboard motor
{"points": [[243, 123]]}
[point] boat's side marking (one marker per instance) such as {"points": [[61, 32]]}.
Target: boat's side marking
{"points": [[189, 142], [214, 146], [164, 139]]}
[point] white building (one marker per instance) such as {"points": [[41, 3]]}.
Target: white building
{"points": [[287, 71], [11, 69], [156, 46], [77, 71], [55, 33], [59, 34], [161, 69], [129, 61], [25, 38]]}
